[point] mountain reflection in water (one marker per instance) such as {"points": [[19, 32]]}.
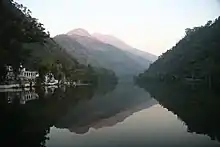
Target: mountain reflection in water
{"points": [[123, 115], [106, 110], [27, 124]]}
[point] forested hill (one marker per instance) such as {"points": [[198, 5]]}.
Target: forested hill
{"points": [[196, 56], [24, 40]]}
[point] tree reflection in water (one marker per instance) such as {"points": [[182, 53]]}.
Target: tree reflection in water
{"points": [[27, 124], [196, 105]]}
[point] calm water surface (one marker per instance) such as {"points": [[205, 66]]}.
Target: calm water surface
{"points": [[124, 116], [154, 126]]}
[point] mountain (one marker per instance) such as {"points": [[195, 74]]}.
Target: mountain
{"points": [[196, 56], [80, 32], [109, 39], [24, 40], [49, 53], [89, 50], [17, 28]]}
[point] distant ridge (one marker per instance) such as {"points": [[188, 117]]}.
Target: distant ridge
{"points": [[89, 49], [122, 45], [80, 32]]}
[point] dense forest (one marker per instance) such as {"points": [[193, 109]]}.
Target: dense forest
{"points": [[195, 58], [17, 27], [185, 79], [24, 40]]}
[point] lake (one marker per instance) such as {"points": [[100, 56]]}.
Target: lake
{"points": [[122, 115]]}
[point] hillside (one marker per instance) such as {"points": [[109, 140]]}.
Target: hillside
{"points": [[88, 50], [17, 28], [196, 56], [23, 40], [80, 32], [122, 45], [47, 53]]}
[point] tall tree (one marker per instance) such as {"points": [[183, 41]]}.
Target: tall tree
{"points": [[17, 27]]}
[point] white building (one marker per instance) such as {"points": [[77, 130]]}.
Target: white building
{"points": [[27, 75], [49, 79]]}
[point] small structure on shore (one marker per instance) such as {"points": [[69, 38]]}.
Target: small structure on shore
{"points": [[23, 78], [50, 80], [27, 75]]}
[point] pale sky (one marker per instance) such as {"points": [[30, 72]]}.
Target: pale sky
{"points": [[150, 25]]}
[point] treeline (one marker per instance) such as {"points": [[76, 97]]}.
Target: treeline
{"points": [[24, 40], [16, 28], [196, 57]]}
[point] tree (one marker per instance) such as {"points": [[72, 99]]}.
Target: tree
{"points": [[196, 55], [16, 28]]}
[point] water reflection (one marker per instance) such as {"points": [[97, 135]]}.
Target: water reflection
{"points": [[28, 114], [122, 115], [196, 105], [22, 95], [153, 127], [49, 90], [106, 110]]}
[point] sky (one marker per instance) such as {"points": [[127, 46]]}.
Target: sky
{"points": [[150, 25]]}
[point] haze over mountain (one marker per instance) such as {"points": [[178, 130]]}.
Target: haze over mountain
{"points": [[141, 23], [87, 49], [122, 45], [80, 32]]}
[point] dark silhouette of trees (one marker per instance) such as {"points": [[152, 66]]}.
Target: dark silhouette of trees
{"points": [[195, 57], [24, 40], [17, 27]]}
